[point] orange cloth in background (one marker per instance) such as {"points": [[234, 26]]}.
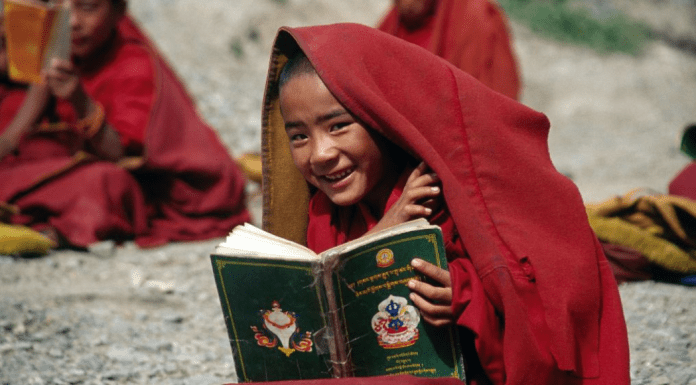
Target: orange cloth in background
{"points": [[471, 34], [181, 183]]}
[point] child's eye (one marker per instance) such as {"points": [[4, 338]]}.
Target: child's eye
{"points": [[297, 137], [338, 126]]}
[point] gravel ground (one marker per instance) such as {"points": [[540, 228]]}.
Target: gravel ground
{"points": [[129, 315]]}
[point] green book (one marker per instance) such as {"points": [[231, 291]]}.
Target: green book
{"points": [[293, 314]]}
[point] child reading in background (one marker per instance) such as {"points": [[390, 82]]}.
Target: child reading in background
{"points": [[362, 131], [111, 146]]}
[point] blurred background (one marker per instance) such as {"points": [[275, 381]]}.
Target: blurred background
{"points": [[617, 78]]}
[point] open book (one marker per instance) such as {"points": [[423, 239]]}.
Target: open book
{"points": [[36, 32], [293, 314]]}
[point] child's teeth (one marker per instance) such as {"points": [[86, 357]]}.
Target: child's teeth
{"points": [[339, 176]]}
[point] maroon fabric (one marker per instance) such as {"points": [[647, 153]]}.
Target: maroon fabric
{"points": [[183, 184], [539, 267], [403, 380], [472, 35], [684, 183], [626, 263]]}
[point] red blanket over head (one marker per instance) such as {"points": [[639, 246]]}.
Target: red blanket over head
{"points": [[539, 297], [472, 35], [181, 184]]}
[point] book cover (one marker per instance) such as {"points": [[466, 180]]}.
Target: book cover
{"points": [[385, 332], [274, 315], [35, 33], [343, 313]]}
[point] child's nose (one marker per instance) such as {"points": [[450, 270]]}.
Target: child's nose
{"points": [[324, 150]]}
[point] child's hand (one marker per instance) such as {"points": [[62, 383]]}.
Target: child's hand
{"points": [[64, 82], [434, 302], [421, 196]]}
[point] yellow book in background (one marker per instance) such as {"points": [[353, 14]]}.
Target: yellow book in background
{"points": [[36, 32]]}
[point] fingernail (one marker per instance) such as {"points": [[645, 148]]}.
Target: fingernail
{"points": [[415, 262], [428, 211], [435, 189], [412, 284]]}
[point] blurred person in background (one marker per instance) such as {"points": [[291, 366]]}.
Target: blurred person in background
{"points": [[471, 34], [110, 146]]}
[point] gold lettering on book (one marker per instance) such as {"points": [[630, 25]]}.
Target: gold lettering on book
{"points": [[385, 286], [401, 355], [383, 276]]}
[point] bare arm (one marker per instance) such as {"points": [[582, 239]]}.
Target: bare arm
{"points": [[64, 83], [26, 118]]}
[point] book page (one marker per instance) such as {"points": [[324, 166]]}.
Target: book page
{"points": [[250, 241], [59, 39]]}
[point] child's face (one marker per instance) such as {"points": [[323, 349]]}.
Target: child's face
{"points": [[333, 151], [92, 22]]}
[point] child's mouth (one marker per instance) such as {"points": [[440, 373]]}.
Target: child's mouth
{"points": [[335, 177]]}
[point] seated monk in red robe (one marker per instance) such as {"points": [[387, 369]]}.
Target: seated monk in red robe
{"points": [[471, 34], [111, 146], [362, 130]]}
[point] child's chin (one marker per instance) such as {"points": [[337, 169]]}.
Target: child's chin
{"points": [[340, 200]]}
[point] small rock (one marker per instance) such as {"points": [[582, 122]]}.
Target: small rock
{"points": [[173, 318], [118, 375], [22, 345], [104, 249]]}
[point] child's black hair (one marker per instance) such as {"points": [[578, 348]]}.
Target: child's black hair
{"points": [[297, 64]]}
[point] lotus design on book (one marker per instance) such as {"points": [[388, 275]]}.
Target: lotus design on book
{"points": [[396, 323], [278, 325]]}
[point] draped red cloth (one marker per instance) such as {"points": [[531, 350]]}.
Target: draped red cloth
{"points": [[534, 287], [178, 184], [684, 183], [472, 35]]}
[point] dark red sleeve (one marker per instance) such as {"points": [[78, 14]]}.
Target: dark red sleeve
{"points": [[128, 97]]}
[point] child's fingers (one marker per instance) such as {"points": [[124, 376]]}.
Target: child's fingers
{"points": [[435, 294], [433, 272], [428, 179], [434, 314], [421, 169], [416, 194], [61, 65], [433, 203]]}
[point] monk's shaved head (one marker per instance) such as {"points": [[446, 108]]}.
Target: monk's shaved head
{"points": [[298, 64]]}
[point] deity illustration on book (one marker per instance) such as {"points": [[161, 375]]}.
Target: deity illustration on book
{"points": [[396, 323], [278, 325]]}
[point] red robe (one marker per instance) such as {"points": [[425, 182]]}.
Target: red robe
{"points": [[535, 291], [472, 35], [178, 183]]}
